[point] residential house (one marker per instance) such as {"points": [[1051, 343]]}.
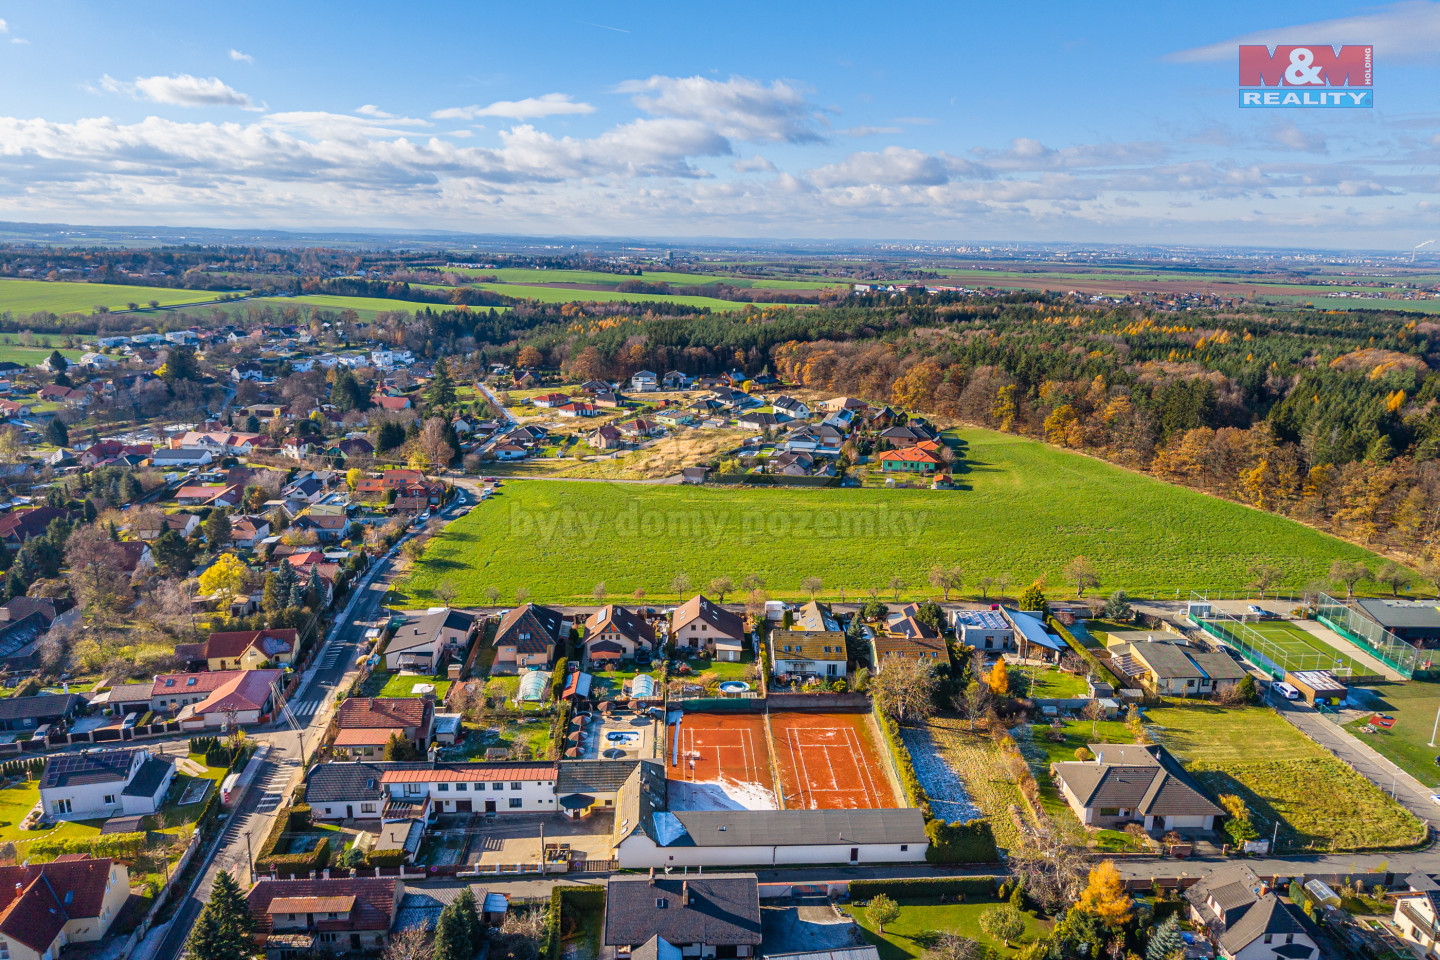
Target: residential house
{"points": [[1249, 921], [220, 441], [17, 526], [184, 524], [210, 494], [616, 633], [549, 400], [248, 531], [1134, 783], [1417, 917], [181, 457], [982, 629], [798, 464], [650, 918], [386, 402], [48, 906], [295, 918], [816, 616], [241, 650], [578, 409], [1032, 639], [351, 447], [762, 421], [331, 528], [364, 725], [1174, 669], [422, 644], [104, 783], [699, 624], [587, 785], [694, 474], [910, 460], [904, 640], [605, 437], [28, 713], [843, 403], [297, 448], [808, 653], [792, 407], [644, 381], [527, 637], [345, 790], [247, 370], [213, 699], [675, 380], [910, 435], [639, 428]]}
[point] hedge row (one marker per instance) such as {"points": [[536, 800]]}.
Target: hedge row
{"points": [[550, 936], [1102, 672], [295, 817], [385, 858], [589, 896], [29, 769], [557, 678], [114, 845], [970, 841], [917, 888]]}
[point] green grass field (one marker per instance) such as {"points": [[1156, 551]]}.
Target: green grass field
{"points": [[365, 306], [1321, 803], [1407, 743], [908, 936], [34, 296], [570, 295], [1306, 651], [30, 356], [1027, 511]]}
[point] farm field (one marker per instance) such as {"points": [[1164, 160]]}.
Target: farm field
{"points": [[571, 295], [948, 755], [1027, 510], [1320, 802], [60, 296], [520, 275], [1407, 742], [29, 356], [365, 306], [909, 936]]}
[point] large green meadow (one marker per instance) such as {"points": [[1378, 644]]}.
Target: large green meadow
{"points": [[1024, 511], [571, 294], [22, 297], [508, 275]]}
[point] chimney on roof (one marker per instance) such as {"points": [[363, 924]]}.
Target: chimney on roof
{"points": [[652, 877], [684, 893]]}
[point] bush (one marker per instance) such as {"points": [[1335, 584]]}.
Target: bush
{"points": [[557, 678], [1102, 672], [116, 845], [296, 817], [970, 841], [924, 888], [385, 858]]}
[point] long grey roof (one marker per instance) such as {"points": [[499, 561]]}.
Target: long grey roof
{"points": [[1402, 613], [1145, 778], [754, 828], [1269, 915], [593, 776], [147, 779]]}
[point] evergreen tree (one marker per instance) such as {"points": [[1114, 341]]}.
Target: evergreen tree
{"points": [[223, 929], [441, 391], [89, 510], [180, 364], [172, 554], [388, 436], [56, 433], [252, 424], [272, 601], [297, 595], [58, 363], [469, 912], [285, 581], [217, 529], [1166, 941], [452, 938]]}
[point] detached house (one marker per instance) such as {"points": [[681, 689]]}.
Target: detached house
{"points": [[617, 633], [1130, 783], [668, 917], [1418, 918], [698, 624], [241, 650], [325, 915], [808, 653], [1253, 923], [1175, 669], [421, 644], [46, 907], [527, 638], [104, 783], [365, 724]]}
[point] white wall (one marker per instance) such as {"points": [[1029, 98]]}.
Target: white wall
{"points": [[87, 800], [639, 851], [535, 795]]}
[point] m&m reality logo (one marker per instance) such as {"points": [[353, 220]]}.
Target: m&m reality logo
{"points": [[1314, 75]]}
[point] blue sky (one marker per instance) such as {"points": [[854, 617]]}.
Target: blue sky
{"points": [[942, 122]]}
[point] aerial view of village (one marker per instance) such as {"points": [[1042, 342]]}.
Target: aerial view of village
{"points": [[736, 489]]}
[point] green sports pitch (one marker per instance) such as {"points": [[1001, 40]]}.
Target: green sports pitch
{"points": [[1293, 648]]}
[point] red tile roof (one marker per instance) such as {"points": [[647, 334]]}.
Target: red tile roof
{"points": [[380, 713], [34, 915], [471, 771], [910, 455], [374, 909]]}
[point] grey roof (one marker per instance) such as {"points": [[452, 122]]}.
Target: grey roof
{"points": [[530, 628], [645, 791], [1269, 915], [42, 706], [1217, 666], [421, 905], [1144, 778], [95, 766], [656, 948], [148, 778], [755, 828], [332, 782], [1421, 883], [1168, 660], [593, 776], [1423, 614], [423, 630], [716, 909], [1234, 887]]}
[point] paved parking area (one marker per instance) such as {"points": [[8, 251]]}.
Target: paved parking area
{"points": [[803, 924], [516, 838]]}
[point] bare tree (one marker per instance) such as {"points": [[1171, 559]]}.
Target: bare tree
{"points": [[1394, 576], [1263, 576], [720, 586], [985, 584], [755, 604], [598, 593], [752, 581], [1348, 572], [446, 592], [680, 585], [905, 688], [1094, 713], [97, 573], [411, 943], [896, 585], [975, 701], [1002, 582], [492, 595], [812, 585], [1080, 574], [1052, 865], [521, 596]]}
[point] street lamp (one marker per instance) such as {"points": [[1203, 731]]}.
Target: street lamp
{"points": [[1436, 727]]}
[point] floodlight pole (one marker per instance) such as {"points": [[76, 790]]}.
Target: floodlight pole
{"points": [[1436, 728]]}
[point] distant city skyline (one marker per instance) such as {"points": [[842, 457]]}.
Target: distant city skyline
{"points": [[928, 122]]}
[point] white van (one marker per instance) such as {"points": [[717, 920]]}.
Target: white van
{"points": [[1285, 690]]}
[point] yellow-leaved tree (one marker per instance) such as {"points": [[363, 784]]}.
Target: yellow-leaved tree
{"points": [[226, 577], [1104, 896]]}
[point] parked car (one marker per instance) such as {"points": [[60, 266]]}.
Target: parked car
{"points": [[1285, 690]]}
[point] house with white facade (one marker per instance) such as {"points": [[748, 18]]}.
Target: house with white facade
{"points": [[104, 783], [348, 790], [808, 653], [46, 907], [1134, 783], [1251, 921]]}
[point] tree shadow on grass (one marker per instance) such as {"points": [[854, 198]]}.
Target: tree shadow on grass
{"points": [[1263, 815]]}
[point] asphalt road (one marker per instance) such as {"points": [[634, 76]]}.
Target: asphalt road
{"points": [[310, 711]]}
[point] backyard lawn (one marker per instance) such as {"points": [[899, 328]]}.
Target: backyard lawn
{"points": [[1253, 752], [1040, 752], [1056, 685], [908, 936], [382, 683], [1407, 742]]}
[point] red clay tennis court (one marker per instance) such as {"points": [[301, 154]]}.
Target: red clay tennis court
{"points": [[716, 746], [829, 761]]}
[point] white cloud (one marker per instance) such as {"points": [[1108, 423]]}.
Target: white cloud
{"points": [[1290, 137], [4, 27], [546, 105], [863, 131], [738, 108], [894, 165], [755, 164], [182, 90], [241, 57], [1402, 31]]}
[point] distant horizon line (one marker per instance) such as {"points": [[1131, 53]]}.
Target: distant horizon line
{"points": [[133, 235]]}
